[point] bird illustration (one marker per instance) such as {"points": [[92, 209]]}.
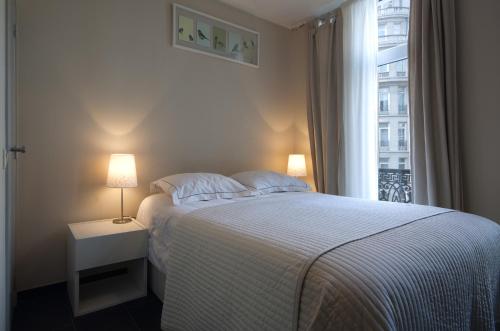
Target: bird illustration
{"points": [[181, 30], [191, 37], [245, 45], [218, 43], [253, 44], [201, 35], [236, 48]]}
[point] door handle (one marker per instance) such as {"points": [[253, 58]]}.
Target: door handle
{"points": [[17, 149]]}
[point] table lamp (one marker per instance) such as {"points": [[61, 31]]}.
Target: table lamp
{"points": [[297, 165], [122, 174]]}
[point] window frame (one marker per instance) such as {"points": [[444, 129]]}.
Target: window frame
{"points": [[402, 106], [403, 127], [388, 135], [387, 95], [403, 163], [386, 163]]}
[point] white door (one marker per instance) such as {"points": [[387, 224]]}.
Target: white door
{"points": [[4, 242]]}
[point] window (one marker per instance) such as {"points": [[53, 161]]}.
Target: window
{"points": [[401, 67], [383, 72], [402, 105], [381, 30], [402, 141], [393, 18], [384, 135], [386, 4], [383, 163], [402, 163], [383, 100], [396, 29]]}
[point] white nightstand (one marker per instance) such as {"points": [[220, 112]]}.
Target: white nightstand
{"points": [[107, 264]]}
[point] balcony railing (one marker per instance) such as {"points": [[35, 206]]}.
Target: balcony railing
{"points": [[394, 185], [403, 109], [403, 145], [392, 39], [387, 76], [384, 145], [393, 11]]}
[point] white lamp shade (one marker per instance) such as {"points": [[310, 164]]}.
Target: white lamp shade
{"points": [[121, 172], [297, 165]]}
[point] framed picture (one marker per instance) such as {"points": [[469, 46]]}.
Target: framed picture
{"points": [[201, 33]]}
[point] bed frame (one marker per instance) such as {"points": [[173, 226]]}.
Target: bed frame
{"points": [[156, 281]]}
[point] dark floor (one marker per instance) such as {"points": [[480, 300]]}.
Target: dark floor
{"points": [[48, 308]]}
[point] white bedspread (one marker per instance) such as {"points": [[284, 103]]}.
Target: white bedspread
{"points": [[159, 217], [319, 262]]}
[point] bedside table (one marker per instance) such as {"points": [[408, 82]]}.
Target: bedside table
{"points": [[107, 264]]}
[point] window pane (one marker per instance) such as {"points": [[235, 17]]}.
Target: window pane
{"points": [[396, 29], [384, 163], [402, 163], [383, 100], [402, 101], [394, 144], [384, 135], [381, 30], [402, 140]]}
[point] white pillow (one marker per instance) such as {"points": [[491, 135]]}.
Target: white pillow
{"points": [[183, 188], [270, 181]]}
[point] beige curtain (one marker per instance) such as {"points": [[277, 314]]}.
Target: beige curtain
{"points": [[325, 103], [433, 104]]}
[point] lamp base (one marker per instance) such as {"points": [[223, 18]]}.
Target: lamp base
{"points": [[126, 219]]}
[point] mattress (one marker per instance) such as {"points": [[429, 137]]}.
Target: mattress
{"points": [[310, 261]]}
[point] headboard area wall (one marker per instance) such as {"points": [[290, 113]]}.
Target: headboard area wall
{"points": [[99, 77]]}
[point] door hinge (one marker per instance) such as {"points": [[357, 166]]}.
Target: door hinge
{"points": [[5, 158]]}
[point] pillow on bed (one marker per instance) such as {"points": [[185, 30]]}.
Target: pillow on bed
{"points": [[183, 188], [270, 181]]}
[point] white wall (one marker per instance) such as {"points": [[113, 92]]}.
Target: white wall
{"points": [[97, 77], [478, 28]]}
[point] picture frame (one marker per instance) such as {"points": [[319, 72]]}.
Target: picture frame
{"points": [[205, 34]]}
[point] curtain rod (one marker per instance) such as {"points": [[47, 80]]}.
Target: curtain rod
{"points": [[330, 15]]}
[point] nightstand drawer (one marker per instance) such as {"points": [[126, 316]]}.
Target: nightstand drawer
{"points": [[99, 251], [99, 243]]}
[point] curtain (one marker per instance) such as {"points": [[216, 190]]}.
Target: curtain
{"points": [[325, 105], [433, 104], [360, 98]]}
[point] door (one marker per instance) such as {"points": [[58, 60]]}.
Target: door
{"points": [[4, 242], [8, 165]]}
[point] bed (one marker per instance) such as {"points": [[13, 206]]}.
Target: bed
{"points": [[309, 261]]}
